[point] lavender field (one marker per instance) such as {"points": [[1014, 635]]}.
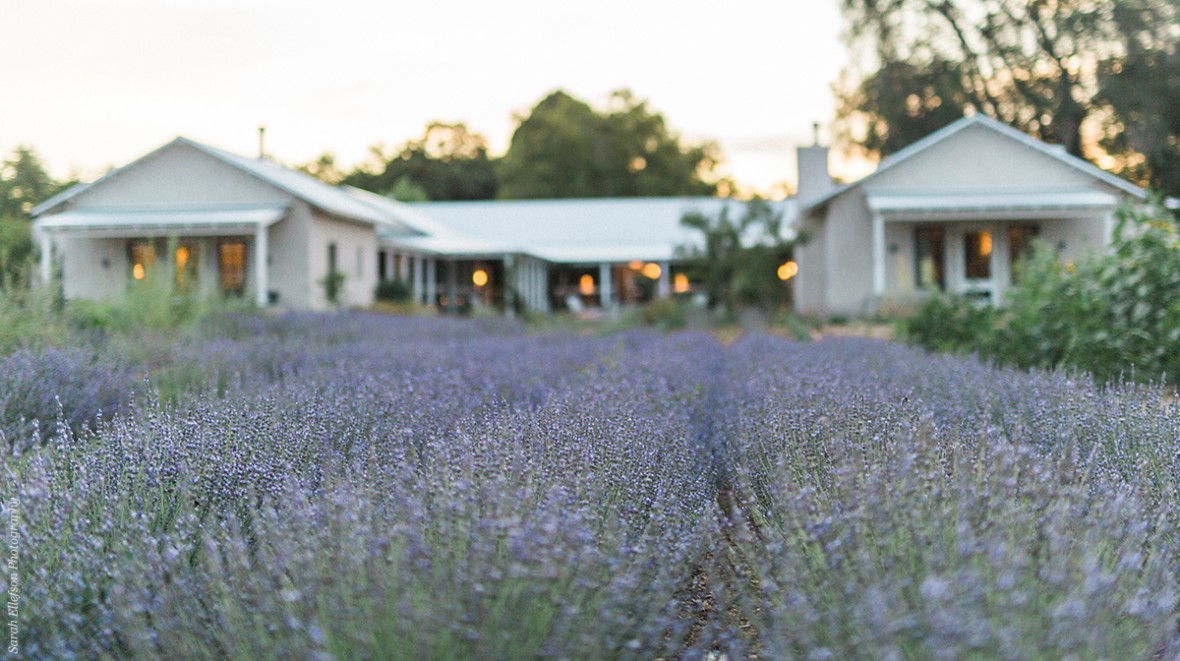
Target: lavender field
{"points": [[357, 486]]}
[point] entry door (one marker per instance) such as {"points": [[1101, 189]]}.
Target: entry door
{"points": [[980, 261]]}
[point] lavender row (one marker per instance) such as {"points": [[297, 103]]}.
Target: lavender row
{"points": [[356, 486], [900, 505], [519, 497]]}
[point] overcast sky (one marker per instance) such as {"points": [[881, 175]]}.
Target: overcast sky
{"points": [[94, 83]]}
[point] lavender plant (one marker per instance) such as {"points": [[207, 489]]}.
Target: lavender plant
{"points": [[359, 486]]}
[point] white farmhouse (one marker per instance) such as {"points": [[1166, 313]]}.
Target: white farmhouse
{"points": [[952, 212]]}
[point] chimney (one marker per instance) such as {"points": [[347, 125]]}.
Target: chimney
{"points": [[814, 180], [261, 142]]}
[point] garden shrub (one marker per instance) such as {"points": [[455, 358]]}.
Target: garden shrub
{"points": [[1107, 314], [393, 291]]}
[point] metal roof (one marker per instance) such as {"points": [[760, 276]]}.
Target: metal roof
{"points": [[978, 119], [330, 199], [140, 221], [1075, 199], [568, 230]]}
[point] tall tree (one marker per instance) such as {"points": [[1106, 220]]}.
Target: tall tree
{"points": [[449, 162], [24, 183], [1066, 71], [565, 148]]}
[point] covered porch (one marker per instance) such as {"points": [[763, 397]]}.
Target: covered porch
{"points": [[969, 243], [209, 250]]}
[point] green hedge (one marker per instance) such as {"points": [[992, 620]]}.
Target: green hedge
{"points": [[1110, 314]]}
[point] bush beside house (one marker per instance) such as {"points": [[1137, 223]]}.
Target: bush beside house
{"points": [[1112, 314]]}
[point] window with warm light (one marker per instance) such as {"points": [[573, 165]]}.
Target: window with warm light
{"points": [[977, 249], [479, 278], [185, 260], [231, 262], [142, 256]]}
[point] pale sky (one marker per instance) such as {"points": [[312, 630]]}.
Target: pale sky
{"points": [[95, 83]]}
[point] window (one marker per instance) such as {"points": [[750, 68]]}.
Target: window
{"points": [[231, 262], [331, 258], [928, 258], [977, 253], [1020, 238], [141, 256], [186, 259]]}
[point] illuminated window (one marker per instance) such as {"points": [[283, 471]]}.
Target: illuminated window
{"points": [[928, 258], [977, 251], [142, 257], [586, 284], [231, 263], [186, 260]]}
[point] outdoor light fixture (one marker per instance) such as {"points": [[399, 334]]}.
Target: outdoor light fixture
{"points": [[480, 277], [137, 272], [586, 285], [635, 265], [651, 270], [680, 283], [787, 271]]}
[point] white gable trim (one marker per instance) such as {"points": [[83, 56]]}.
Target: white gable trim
{"points": [[979, 119]]}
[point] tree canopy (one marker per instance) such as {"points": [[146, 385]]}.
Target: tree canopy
{"points": [[1100, 78], [449, 162], [24, 183], [565, 148], [741, 260]]}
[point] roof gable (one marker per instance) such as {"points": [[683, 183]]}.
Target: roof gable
{"points": [[956, 131], [265, 179]]}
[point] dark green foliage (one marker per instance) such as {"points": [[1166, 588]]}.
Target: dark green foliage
{"points": [[738, 263], [16, 249], [1046, 68], [1109, 315], [950, 323], [564, 148], [394, 291], [447, 163]]}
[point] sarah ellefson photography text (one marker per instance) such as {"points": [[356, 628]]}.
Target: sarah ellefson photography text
{"points": [[12, 603]]}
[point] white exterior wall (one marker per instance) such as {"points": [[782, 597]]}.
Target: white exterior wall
{"points": [[977, 158], [179, 175], [353, 242], [848, 255], [287, 272], [811, 281], [92, 268]]}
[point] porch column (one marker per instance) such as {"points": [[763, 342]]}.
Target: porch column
{"points": [[46, 257], [403, 267], [452, 286], [419, 278], [878, 255], [664, 284], [508, 285], [605, 297], [431, 281], [261, 254]]}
